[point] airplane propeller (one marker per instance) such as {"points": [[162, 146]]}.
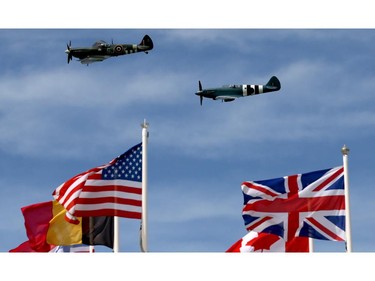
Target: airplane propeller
{"points": [[200, 90], [68, 47]]}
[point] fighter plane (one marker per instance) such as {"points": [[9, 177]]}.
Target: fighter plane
{"points": [[101, 50], [228, 93]]}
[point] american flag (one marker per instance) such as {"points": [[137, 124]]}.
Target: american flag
{"points": [[113, 189], [301, 205]]}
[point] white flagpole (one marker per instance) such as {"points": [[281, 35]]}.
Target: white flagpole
{"points": [[311, 245], [144, 245], [345, 152], [116, 231]]}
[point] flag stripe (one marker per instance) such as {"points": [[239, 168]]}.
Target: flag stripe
{"points": [[111, 212], [119, 190], [119, 185], [259, 222], [100, 200], [330, 179], [107, 205], [260, 188], [324, 230], [296, 204]]}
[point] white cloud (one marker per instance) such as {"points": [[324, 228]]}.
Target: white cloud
{"points": [[77, 115]]}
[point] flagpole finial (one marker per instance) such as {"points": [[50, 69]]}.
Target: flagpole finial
{"points": [[345, 150], [144, 125]]}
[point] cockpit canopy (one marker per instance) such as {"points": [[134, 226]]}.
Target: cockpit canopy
{"points": [[100, 43]]}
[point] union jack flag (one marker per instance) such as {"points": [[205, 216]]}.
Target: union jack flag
{"points": [[302, 205]]}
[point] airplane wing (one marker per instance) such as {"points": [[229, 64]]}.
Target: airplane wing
{"points": [[225, 98], [92, 59]]}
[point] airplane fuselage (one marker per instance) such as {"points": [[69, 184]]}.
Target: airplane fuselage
{"points": [[232, 92], [110, 51], [102, 50]]}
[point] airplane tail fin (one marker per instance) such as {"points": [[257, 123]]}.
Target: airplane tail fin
{"points": [[273, 84], [147, 41]]}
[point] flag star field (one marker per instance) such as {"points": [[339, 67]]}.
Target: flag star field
{"points": [[126, 168]]}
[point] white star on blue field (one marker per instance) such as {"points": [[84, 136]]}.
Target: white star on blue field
{"points": [[59, 119]]}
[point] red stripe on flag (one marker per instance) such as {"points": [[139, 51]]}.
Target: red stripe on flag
{"points": [[324, 229], [123, 201], [330, 179], [296, 204], [259, 188], [119, 188], [259, 223], [109, 213]]}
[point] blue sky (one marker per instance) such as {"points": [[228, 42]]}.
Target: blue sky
{"points": [[60, 119]]}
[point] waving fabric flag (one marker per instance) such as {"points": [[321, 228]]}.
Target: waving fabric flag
{"points": [[258, 242], [89, 230], [113, 189], [305, 205], [267, 242], [98, 231], [59, 231], [46, 227], [27, 247], [37, 217]]}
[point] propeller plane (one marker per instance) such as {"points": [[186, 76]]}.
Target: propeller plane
{"points": [[101, 50], [229, 93]]}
